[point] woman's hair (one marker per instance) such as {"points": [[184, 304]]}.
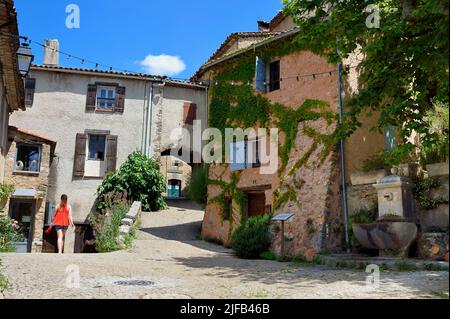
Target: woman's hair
{"points": [[64, 198]]}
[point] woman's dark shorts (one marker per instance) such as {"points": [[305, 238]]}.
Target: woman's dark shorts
{"points": [[61, 228]]}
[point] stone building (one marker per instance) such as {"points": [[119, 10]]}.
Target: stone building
{"points": [[98, 118], [11, 84], [28, 163], [307, 182]]}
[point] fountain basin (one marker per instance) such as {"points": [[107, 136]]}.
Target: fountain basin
{"points": [[386, 235]]}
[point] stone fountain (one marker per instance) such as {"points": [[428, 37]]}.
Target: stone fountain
{"points": [[395, 229]]}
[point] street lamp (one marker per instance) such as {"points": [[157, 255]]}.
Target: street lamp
{"points": [[25, 58]]}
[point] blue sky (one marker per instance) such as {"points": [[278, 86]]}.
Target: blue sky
{"points": [[125, 33]]}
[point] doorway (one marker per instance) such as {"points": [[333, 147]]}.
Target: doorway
{"points": [[23, 212], [174, 188], [256, 204]]}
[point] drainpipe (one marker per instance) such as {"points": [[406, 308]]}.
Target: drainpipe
{"points": [[342, 163], [148, 123], [144, 122]]}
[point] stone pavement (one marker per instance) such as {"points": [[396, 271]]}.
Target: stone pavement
{"points": [[168, 261]]}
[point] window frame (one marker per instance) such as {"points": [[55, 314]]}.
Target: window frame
{"points": [[88, 155], [111, 88], [274, 85], [39, 147], [247, 164]]}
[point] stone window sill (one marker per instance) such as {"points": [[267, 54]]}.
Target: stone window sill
{"points": [[32, 174]]}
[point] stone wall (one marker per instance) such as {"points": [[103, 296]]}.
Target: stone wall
{"points": [[23, 180], [433, 241]]}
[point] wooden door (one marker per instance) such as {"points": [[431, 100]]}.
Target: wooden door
{"points": [[256, 204]]}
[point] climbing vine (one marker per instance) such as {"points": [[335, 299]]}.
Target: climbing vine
{"points": [[234, 103]]}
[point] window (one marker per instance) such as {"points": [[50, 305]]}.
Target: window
{"points": [[190, 113], [28, 158], [96, 147], [30, 86], [245, 154], [274, 75], [106, 99]]}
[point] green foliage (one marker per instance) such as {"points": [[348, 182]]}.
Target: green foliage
{"points": [[198, 186], [8, 234], [310, 227], [386, 160], [4, 282], [140, 178], [362, 216], [229, 193], [107, 223], [252, 237], [129, 238], [438, 121], [269, 255], [405, 63], [422, 193], [5, 191]]}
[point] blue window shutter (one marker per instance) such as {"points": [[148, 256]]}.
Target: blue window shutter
{"points": [[238, 156], [260, 78], [390, 138]]}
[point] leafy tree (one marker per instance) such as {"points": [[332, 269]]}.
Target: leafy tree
{"points": [[198, 186], [406, 59], [140, 178]]}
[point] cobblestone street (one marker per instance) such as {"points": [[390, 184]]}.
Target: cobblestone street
{"points": [[168, 261]]}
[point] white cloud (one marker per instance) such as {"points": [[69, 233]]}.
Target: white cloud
{"points": [[163, 64]]}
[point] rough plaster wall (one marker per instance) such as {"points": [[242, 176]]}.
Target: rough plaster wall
{"points": [[37, 182], [59, 113], [171, 113]]}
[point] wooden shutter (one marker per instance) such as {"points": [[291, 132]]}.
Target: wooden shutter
{"points": [[111, 153], [120, 99], [91, 99], [260, 78], [30, 86], [190, 113], [80, 155], [256, 204]]}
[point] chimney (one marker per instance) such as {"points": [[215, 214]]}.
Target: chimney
{"points": [[263, 26], [51, 54]]}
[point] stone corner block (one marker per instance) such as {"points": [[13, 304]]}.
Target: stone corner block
{"points": [[135, 211], [127, 222]]}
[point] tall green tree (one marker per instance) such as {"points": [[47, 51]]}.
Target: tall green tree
{"points": [[405, 68]]}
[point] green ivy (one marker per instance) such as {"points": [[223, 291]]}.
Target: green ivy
{"points": [[422, 191], [234, 103]]}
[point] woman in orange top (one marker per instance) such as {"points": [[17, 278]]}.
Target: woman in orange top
{"points": [[62, 219]]}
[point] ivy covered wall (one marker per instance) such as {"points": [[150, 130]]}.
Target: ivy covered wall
{"points": [[305, 111]]}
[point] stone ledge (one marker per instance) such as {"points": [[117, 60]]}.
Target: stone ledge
{"points": [[439, 169], [135, 211], [367, 178]]}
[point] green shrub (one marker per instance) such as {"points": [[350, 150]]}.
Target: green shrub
{"points": [[140, 178], [5, 191], [107, 223], [437, 150], [4, 283], [252, 237], [362, 216], [268, 255], [8, 234], [198, 186]]}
